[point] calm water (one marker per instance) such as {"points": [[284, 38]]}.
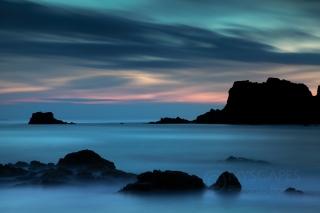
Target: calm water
{"points": [[293, 153]]}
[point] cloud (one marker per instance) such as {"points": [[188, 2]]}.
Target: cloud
{"points": [[69, 55], [30, 29]]}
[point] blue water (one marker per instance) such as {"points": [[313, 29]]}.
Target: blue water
{"points": [[292, 150]]}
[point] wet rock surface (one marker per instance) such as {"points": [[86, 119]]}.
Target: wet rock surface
{"points": [[163, 181]]}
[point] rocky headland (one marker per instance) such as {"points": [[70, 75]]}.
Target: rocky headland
{"points": [[45, 118], [272, 102]]}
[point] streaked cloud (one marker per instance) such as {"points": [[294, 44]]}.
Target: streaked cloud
{"points": [[102, 52]]}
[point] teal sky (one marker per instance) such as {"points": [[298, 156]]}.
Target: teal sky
{"points": [[150, 54]]}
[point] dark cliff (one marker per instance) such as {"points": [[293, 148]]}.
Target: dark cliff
{"points": [[45, 118], [272, 102]]}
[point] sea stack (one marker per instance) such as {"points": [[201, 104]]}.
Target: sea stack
{"points": [[45, 118]]}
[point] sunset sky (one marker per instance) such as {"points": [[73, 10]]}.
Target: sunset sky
{"points": [[146, 59]]}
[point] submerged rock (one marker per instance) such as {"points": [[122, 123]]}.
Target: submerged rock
{"points": [[45, 118], [164, 181], [85, 159], [244, 160], [291, 190], [227, 182]]}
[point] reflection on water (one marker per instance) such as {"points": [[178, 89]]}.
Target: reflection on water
{"points": [[291, 150]]}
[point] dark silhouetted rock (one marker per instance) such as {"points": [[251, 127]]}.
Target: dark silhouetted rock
{"points": [[291, 190], [52, 182], [45, 118], [21, 164], [56, 174], [37, 165], [115, 173], [10, 171], [85, 158], [227, 182], [51, 165], [85, 175], [244, 160], [171, 121], [165, 181], [273, 102]]}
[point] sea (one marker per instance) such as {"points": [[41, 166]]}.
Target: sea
{"points": [[293, 153]]}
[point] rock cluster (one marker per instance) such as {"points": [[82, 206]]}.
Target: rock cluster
{"points": [[75, 168]]}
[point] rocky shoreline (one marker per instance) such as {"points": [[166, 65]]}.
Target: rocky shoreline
{"points": [[86, 167]]}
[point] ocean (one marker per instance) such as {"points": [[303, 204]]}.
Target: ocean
{"points": [[293, 153]]}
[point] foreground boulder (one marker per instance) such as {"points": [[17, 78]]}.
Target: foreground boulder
{"points": [[291, 190], [45, 118], [157, 181], [227, 182], [87, 159]]}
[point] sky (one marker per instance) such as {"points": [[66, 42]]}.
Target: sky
{"points": [[146, 59]]}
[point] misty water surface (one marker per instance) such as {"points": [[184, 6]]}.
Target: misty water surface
{"points": [[291, 150]]}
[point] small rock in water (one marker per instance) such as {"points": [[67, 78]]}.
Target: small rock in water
{"points": [[164, 181], [85, 158], [291, 190], [227, 182]]}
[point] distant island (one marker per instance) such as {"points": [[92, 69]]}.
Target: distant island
{"points": [[272, 102], [167, 120], [45, 118]]}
